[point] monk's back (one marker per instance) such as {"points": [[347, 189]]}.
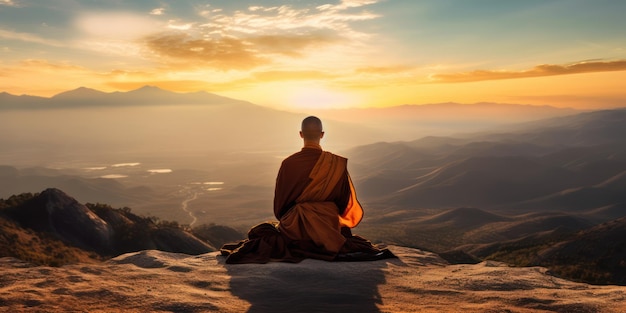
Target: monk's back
{"points": [[293, 177]]}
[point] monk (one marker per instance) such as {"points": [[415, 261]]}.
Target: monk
{"points": [[316, 206]]}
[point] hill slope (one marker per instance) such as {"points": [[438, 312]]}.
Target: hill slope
{"points": [[53, 228], [574, 163]]}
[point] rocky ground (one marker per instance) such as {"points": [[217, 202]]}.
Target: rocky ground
{"points": [[418, 281]]}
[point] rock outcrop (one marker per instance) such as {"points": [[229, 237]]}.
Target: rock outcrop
{"points": [[56, 213], [100, 228], [417, 281]]}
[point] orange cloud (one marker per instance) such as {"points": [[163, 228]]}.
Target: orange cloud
{"points": [[40, 65], [291, 45], [383, 70], [247, 39], [231, 53], [43, 78], [9, 3], [291, 75], [537, 71], [225, 53], [195, 85], [11, 35], [173, 85]]}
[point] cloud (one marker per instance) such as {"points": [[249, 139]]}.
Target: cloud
{"points": [[283, 18], [26, 37], [346, 4], [184, 50], [157, 11], [291, 75], [10, 3], [117, 25], [187, 26], [291, 45], [47, 65], [537, 71], [45, 78], [255, 36], [384, 70], [132, 80]]}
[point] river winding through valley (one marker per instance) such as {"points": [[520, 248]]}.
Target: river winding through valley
{"points": [[185, 207]]}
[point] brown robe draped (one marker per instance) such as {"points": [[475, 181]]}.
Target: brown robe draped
{"points": [[314, 217], [314, 226]]}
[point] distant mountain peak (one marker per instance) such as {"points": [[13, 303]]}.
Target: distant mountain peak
{"points": [[148, 88], [79, 93], [147, 95]]}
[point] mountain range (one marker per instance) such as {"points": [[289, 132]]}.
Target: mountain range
{"points": [[518, 196], [527, 193], [573, 163], [87, 97], [150, 120]]}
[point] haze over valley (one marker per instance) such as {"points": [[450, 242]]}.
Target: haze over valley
{"points": [[150, 149], [517, 179], [198, 158]]}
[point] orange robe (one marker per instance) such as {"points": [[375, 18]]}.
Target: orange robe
{"points": [[316, 206], [316, 218]]}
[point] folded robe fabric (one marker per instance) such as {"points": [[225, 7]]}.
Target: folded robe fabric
{"points": [[312, 228], [313, 217]]}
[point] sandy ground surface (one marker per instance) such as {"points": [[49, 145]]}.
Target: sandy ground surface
{"points": [[155, 281]]}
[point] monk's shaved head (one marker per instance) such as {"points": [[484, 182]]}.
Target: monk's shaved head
{"points": [[311, 128]]}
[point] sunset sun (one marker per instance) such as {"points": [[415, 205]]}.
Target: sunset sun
{"points": [[317, 97]]}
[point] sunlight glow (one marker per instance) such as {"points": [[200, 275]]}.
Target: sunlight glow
{"points": [[117, 25], [318, 98], [160, 171], [126, 164], [334, 54]]}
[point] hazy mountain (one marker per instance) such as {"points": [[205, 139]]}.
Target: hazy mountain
{"points": [[87, 97], [579, 199], [568, 163], [408, 122], [584, 129], [453, 113], [233, 140], [9, 101], [153, 121], [463, 218], [81, 93], [86, 124], [16, 181], [568, 173]]}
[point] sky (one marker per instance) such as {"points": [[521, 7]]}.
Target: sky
{"points": [[295, 55]]}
